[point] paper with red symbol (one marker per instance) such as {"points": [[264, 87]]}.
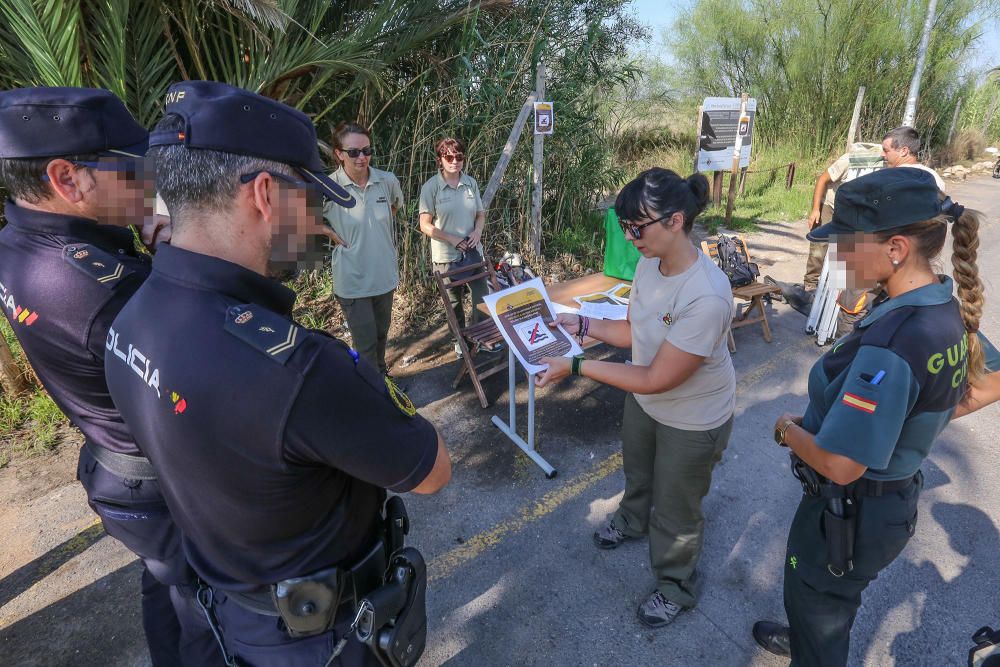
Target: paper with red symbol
{"points": [[522, 313]]}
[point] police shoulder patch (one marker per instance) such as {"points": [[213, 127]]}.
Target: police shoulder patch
{"points": [[399, 398], [96, 263], [267, 331]]}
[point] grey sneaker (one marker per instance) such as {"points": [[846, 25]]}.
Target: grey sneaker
{"points": [[458, 351], [658, 611], [609, 537]]}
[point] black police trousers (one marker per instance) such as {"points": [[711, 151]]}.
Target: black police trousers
{"points": [[134, 513], [259, 640], [821, 607]]}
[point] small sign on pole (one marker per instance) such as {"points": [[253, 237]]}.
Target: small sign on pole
{"points": [[744, 128], [544, 118]]}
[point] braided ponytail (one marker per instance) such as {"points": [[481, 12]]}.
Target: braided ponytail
{"points": [[965, 248]]}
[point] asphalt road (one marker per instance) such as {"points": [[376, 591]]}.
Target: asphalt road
{"points": [[515, 579]]}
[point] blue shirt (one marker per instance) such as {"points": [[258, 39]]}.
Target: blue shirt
{"points": [[273, 443], [62, 282], [885, 391]]}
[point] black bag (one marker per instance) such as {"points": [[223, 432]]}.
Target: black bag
{"points": [[733, 261]]}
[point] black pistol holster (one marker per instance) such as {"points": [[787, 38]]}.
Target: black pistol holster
{"points": [[986, 652], [392, 620], [840, 517]]}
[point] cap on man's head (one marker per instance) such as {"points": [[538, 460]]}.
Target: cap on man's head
{"points": [[52, 122], [880, 201], [221, 117]]}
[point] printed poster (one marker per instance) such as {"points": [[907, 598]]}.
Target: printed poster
{"points": [[521, 313]]}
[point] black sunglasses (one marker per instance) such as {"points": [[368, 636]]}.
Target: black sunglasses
{"points": [[367, 151], [636, 230]]}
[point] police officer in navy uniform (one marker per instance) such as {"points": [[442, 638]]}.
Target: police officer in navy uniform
{"points": [[70, 159], [275, 443], [877, 402]]}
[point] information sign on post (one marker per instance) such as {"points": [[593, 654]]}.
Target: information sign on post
{"points": [[721, 123], [544, 118]]}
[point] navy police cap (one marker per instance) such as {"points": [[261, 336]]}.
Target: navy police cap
{"points": [[225, 118], [880, 201], [54, 122]]}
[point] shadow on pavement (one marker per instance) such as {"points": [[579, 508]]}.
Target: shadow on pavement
{"points": [[31, 573], [111, 638]]}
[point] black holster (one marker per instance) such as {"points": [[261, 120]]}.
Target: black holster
{"points": [[840, 517], [840, 524], [985, 638], [392, 620]]}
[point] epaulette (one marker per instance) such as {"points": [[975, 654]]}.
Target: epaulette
{"points": [[99, 264], [263, 329]]}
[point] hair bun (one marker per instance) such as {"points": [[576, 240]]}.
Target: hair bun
{"points": [[698, 185]]}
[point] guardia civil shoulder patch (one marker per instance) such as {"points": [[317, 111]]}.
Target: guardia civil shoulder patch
{"points": [[858, 403], [400, 398]]}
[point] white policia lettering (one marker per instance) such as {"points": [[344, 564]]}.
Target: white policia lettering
{"points": [[142, 369]]}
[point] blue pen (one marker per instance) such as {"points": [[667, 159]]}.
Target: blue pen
{"points": [[878, 377]]}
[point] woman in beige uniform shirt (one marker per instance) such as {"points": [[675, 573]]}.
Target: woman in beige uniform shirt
{"points": [[364, 263], [681, 384]]}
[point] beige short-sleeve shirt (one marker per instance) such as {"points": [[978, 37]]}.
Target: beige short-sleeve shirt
{"points": [[454, 210], [692, 311], [368, 266], [862, 159]]}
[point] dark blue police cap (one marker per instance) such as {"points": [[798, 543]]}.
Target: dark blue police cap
{"points": [[883, 200], [225, 118], [52, 122]]}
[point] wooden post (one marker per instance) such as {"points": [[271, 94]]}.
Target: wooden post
{"points": [[954, 120], [853, 132], [717, 188], [790, 176], [508, 151], [536, 194], [697, 142], [733, 174], [743, 180], [11, 377]]}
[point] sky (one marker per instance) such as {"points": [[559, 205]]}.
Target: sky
{"points": [[659, 14]]}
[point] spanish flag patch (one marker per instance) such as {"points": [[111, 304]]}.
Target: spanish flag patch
{"points": [[863, 404]]}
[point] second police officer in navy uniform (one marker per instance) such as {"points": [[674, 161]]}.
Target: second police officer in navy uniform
{"points": [[877, 402], [71, 161], [275, 443]]}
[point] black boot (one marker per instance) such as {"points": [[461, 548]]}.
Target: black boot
{"points": [[772, 637]]}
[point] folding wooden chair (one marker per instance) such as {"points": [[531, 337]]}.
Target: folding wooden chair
{"points": [[472, 339], [753, 294]]}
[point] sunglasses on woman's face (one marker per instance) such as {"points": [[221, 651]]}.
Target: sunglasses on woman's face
{"points": [[367, 151], [454, 157], [636, 230]]}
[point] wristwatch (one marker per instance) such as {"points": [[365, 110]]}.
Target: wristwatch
{"points": [[779, 432]]}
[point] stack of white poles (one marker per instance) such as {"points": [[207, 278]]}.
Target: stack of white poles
{"points": [[823, 316]]}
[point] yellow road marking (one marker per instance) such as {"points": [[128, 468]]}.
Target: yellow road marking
{"points": [[445, 565], [442, 566]]}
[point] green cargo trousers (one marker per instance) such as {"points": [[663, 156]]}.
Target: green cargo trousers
{"points": [[667, 473], [369, 318], [821, 607]]}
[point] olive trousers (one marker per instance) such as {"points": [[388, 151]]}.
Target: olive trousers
{"points": [[667, 473]]}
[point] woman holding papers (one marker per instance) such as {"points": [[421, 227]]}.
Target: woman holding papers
{"points": [[681, 384]]}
